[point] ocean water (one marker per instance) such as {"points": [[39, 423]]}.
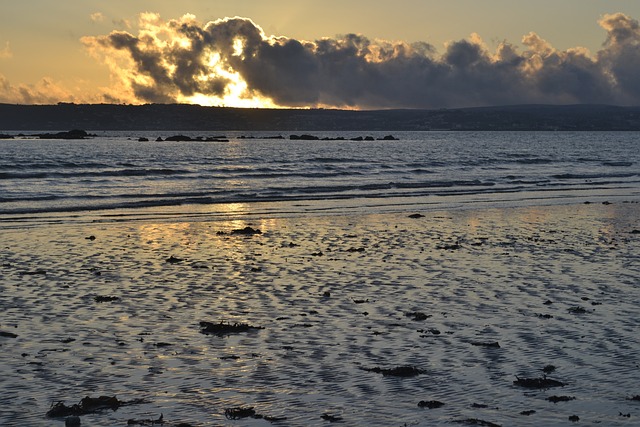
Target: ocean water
{"points": [[431, 169]]}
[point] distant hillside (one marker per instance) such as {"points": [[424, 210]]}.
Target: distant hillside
{"points": [[192, 117]]}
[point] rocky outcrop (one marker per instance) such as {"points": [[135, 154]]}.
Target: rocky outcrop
{"points": [[72, 134]]}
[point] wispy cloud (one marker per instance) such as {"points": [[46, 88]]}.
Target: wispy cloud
{"points": [[232, 60], [5, 52], [96, 17], [122, 23]]}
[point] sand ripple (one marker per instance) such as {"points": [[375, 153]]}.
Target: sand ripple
{"points": [[472, 299]]}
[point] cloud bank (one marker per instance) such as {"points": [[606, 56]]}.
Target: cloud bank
{"points": [[232, 61], [46, 91]]}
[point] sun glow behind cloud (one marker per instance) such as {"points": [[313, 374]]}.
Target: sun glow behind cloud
{"points": [[236, 92], [179, 61]]}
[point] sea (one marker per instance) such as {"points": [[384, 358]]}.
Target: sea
{"points": [[115, 171]]}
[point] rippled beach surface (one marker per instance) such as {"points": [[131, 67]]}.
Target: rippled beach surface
{"points": [[513, 316]]}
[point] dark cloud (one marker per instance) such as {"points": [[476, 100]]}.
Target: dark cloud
{"points": [[621, 55], [232, 58]]}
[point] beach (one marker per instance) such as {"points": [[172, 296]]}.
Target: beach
{"points": [[308, 214], [517, 315]]}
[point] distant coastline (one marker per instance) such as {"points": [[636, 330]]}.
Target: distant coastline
{"points": [[182, 117]]}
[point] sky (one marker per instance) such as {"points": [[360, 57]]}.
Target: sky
{"points": [[353, 54]]}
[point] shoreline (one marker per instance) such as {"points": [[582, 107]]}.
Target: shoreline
{"points": [[470, 299], [319, 207]]}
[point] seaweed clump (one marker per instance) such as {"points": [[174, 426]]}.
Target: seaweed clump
{"points": [[331, 418], [417, 316], [493, 344], [248, 412], [556, 399], [431, 404], [539, 383], [247, 231], [105, 298], [174, 260], [399, 371], [477, 422], [239, 412], [89, 405], [149, 422], [226, 328]]}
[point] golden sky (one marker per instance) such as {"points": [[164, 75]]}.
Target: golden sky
{"points": [[346, 54]]}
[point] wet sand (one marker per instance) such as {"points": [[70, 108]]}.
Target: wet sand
{"points": [[360, 319]]}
